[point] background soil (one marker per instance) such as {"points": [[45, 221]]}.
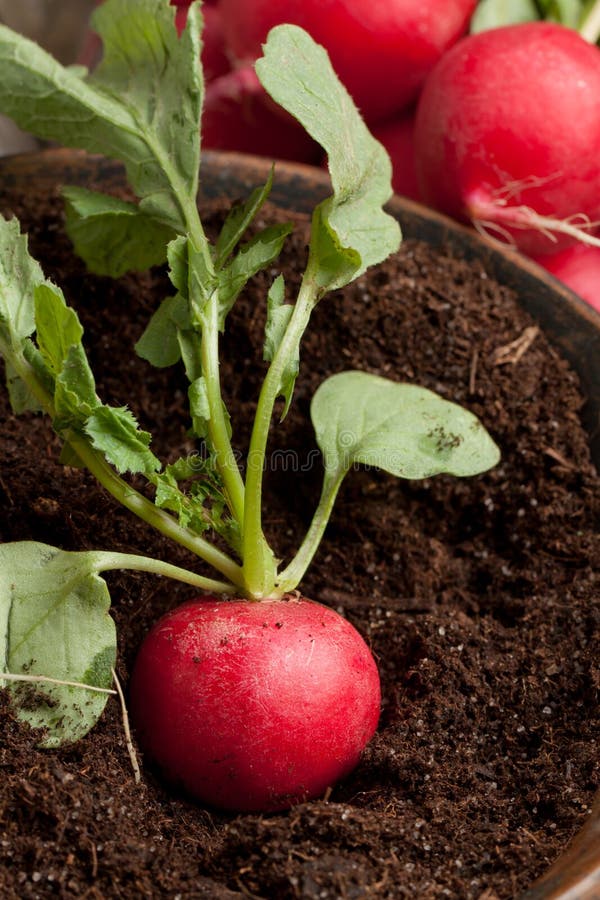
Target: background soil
{"points": [[478, 598]]}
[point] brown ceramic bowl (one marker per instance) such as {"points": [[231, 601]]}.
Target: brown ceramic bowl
{"points": [[571, 325]]}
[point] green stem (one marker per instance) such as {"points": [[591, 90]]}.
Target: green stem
{"points": [[590, 29], [258, 582], [108, 560], [123, 492], [291, 576], [209, 351], [217, 427], [146, 510]]}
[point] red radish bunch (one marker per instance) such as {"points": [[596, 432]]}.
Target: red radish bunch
{"points": [[508, 135], [254, 706], [382, 52]]}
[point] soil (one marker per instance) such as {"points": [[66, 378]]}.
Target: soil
{"points": [[478, 598]]}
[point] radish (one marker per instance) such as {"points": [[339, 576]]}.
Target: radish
{"points": [[254, 706], [579, 268], [398, 138], [508, 135], [381, 51]]}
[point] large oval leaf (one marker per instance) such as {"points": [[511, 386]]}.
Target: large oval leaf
{"points": [[406, 430], [54, 622]]}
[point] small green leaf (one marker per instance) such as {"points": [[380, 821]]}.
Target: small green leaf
{"points": [[202, 282], [190, 274], [57, 326], [168, 496], [401, 428], [116, 433], [252, 257], [19, 276], [113, 236], [238, 219], [21, 398], [159, 344], [189, 345], [75, 390], [199, 406], [496, 13], [279, 314], [177, 254], [54, 622], [350, 230]]}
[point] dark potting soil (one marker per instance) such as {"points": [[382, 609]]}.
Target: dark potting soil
{"points": [[478, 598]]}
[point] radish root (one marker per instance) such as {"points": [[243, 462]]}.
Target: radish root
{"points": [[576, 226], [127, 731]]}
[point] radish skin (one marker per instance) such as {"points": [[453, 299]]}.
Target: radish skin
{"points": [[398, 138], [254, 706], [381, 51], [508, 135]]}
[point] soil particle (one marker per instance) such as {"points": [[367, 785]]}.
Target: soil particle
{"points": [[478, 598]]}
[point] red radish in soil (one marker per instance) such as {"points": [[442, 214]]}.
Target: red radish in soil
{"points": [[381, 51], [508, 135], [254, 705], [579, 268], [398, 138]]}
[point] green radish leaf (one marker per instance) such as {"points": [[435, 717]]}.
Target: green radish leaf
{"points": [[238, 219], [75, 390], [169, 496], [401, 428], [190, 275], [20, 278], [21, 398], [54, 623], [20, 274], [566, 12], [350, 229], [59, 333], [199, 406], [57, 326], [116, 433], [158, 76], [142, 105], [189, 345], [279, 314], [177, 254], [251, 258], [202, 282], [113, 236], [496, 13], [159, 344]]}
